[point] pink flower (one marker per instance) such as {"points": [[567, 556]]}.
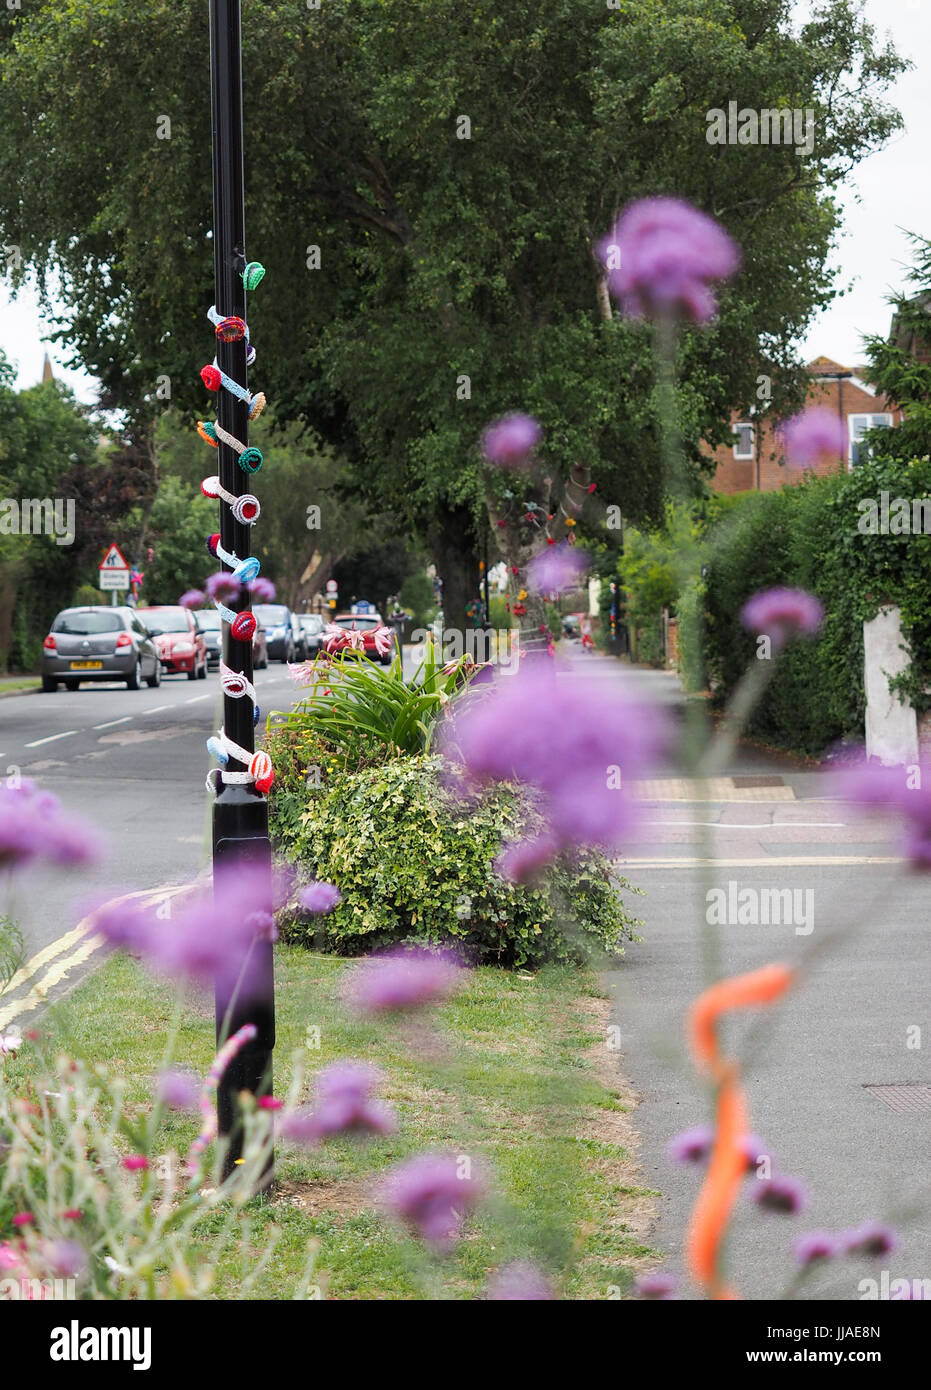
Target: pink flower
{"points": [[262, 590], [660, 1287], [8, 1256], [814, 434], [192, 598], [302, 672], [783, 613], [72, 1214], [9, 1044], [786, 1196], [33, 826], [383, 638], [269, 1103], [432, 1194], [23, 1218], [337, 639], [404, 978], [134, 1163], [523, 859], [816, 1245], [661, 257], [66, 1258], [905, 792], [872, 1238], [510, 441]]}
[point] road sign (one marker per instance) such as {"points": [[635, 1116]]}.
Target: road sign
{"points": [[332, 587], [113, 570], [363, 606]]}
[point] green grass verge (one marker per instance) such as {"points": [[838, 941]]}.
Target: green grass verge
{"points": [[513, 1073]]}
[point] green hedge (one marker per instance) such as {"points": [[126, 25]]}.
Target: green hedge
{"points": [[413, 863], [809, 537]]}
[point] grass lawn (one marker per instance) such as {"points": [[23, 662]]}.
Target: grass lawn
{"points": [[13, 683], [515, 1073]]}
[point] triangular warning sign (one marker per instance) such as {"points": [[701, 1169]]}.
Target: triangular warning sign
{"points": [[113, 560]]}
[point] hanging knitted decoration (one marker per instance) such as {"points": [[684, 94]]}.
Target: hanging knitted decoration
{"points": [[246, 508]]}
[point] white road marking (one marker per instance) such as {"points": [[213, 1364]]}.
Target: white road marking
{"points": [[765, 825], [768, 861], [157, 709], [125, 720], [195, 698], [51, 739]]}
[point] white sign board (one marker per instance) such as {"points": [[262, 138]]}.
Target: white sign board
{"points": [[331, 586], [114, 571]]}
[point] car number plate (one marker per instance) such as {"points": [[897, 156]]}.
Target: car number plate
{"points": [[87, 665]]}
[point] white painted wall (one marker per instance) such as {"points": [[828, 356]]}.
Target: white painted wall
{"points": [[891, 726]]}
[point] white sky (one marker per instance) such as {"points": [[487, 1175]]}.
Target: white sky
{"points": [[889, 195]]}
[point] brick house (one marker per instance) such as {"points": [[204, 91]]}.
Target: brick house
{"points": [[755, 462]]}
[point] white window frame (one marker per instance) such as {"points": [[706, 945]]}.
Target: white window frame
{"points": [[866, 420], [737, 427]]}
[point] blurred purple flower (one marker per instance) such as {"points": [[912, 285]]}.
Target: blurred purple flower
{"points": [[192, 598], [33, 826], [222, 587], [66, 1258], [816, 1245], [510, 441], [343, 1104], [816, 433], [563, 735], [872, 1238], [262, 590], [209, 937], [787, 1196], [692, 1145], [319, 897], [904, 791], [658, 1287], [432, 1194], [556, 568], [754, 1148], [522, 1282], [177, 1090], [521, 860], [782, 613], [405, 978], [661, 257]]}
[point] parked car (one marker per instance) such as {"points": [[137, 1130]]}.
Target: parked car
{"points": [[282, 632], [180, 642], [211, 625], [100, 644], [366, 623], [312, 625]]}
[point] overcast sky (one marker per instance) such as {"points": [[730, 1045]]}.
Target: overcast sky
{"points": [[889, 195]]}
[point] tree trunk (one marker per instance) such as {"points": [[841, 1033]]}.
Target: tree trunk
{"points": [[455, 549]]}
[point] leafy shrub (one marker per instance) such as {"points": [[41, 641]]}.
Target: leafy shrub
{"points": [[808, 537], [414, 863]]}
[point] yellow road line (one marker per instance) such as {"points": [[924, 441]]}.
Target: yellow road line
{"points": [[90, 942]]}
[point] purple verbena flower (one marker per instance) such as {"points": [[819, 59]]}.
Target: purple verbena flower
{"points": [[782, 614], [872, 1238], [262, 590], [192, 598], [787, 1196], [692, 1145], [661, 257], [405, 978], [319, 897], [522, 1282], [33, 826], [523, 859], [222, 587], [657, 1286], [177, 1090], [66, 1258], [905, 791], [816, 433], [566, 737], [344, 1103], [816, 1245], [556, 568], [510, 441], [432, 1194]]}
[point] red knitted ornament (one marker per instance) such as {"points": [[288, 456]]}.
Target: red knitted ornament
{"points": [[243, 627], [231, 330], [211, 378]]}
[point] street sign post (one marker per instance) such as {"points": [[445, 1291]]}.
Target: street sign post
{"points": [[113, 572]]}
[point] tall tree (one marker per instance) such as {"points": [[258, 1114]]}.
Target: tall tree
{"points": [[424, 184]]}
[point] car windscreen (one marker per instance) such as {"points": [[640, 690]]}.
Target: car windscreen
{"points": [[167, 619], [271, 614], [78, 624], [209, 619], [360, 624], [312, 621]]}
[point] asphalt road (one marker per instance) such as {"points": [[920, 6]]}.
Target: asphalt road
{"points": [[132, 764]]}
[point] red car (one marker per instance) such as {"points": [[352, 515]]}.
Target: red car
{"points": [[182, 646], [366, 631]]}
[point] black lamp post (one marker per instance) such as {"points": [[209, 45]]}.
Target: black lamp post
{"points": [[240, 817]]}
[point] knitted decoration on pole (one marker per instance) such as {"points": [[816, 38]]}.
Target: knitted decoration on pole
{"points": [[245, 509]]}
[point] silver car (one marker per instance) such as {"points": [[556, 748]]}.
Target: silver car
{"points": [[99, 644]]}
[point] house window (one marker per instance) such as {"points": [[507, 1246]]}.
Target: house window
{"points": [[743, 442], [857, 426]]}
